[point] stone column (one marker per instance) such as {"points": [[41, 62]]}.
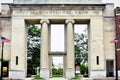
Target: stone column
{"points": [[70, 49], [44, 70]]}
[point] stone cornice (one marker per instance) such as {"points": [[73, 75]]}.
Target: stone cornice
{"points": [[80, 6]]}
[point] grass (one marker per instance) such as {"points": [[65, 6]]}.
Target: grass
{"points": [[38, 77], [77, 77], [55, 75]]}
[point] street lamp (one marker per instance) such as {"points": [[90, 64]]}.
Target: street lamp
{"points": [[116, 61], [2, 60]]}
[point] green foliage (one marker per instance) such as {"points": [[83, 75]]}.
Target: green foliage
{"points": [[3, 60], [60, 69], [33, 46], [38, 77], [77, 77], [54, 69], [81, 47], [83, 69], [57, 72]]}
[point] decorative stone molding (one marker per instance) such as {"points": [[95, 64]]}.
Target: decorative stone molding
{"points": [[70, 21], [44, 21]]}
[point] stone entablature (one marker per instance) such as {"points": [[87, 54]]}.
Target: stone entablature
{"points": [[58, 11]]}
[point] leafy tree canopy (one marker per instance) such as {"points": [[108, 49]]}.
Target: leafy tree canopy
{"points": [[33, 46], [81, 47]]}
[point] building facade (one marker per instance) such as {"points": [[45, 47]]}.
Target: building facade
{"points": [[117, 23], [101, 28]]}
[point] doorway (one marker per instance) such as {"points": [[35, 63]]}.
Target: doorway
{"points": [[110, 68]]}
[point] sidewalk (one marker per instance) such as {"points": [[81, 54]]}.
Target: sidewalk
{"points": [[57, 79], [108, 78], [29, 78]]}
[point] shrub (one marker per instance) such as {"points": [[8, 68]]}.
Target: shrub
{"points": [[38, 77], [83, 69]]}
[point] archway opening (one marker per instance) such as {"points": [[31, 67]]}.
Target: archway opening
{"points": [[57, 66], [81, 49], [33, 49], [57, 50]]}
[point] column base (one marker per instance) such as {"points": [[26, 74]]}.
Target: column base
{"points": [[70, 73], [16, 74], [97, 74], [44, 73]]}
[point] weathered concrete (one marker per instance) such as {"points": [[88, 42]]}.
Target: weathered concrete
{"points": [[57, 1], [57, 79]]}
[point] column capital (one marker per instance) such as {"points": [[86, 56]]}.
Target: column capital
{"points": [[44, 21], [70, 21]]}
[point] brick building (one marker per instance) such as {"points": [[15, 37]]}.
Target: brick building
{"points": [[117, 22]]}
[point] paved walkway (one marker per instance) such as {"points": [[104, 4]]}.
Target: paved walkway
{"points": [[57, 79], [28, 78]]}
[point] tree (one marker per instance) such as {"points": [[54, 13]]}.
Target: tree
{"points": [[81, 47], [33, 46]]}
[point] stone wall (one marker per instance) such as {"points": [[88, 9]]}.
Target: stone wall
{"points": [[5, 29]]}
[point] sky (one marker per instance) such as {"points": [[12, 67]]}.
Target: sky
{"points": [[116, 2], [57, 35]]}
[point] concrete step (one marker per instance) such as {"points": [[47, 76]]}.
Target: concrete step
{"points": [[57, 79]]}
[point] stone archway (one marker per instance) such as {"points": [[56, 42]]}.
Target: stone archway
{"points": [[101, 29]]}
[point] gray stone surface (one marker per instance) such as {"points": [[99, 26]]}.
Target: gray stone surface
{"points": [[57, 1], [70, 73], [17, 74], [109, 10], [44, 73], [97, 74]]}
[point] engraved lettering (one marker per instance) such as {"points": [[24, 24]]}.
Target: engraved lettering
{"points": [[53, 12]]}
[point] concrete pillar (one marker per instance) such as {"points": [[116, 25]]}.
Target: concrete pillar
{"points": [[18, 59], [70, 72], [44, 70], [97, 66]]}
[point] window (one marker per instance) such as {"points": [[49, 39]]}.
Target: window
{"points": [[16, 60], [97, 60]]}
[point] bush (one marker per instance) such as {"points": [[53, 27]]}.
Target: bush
{"points": [[54, 70], [83, 69], [61, 69], [57, 72], [38, 77]]}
